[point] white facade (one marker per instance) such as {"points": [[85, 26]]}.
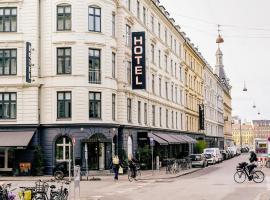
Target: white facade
{"points": [[37, 101], [213, 99]]}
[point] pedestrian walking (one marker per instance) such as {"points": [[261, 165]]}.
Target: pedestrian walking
{"points": [[116, 166]]}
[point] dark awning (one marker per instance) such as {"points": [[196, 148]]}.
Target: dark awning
{"points": [[16, 139], [158, 139], [168, 138], [189, 139], [180, 138]]}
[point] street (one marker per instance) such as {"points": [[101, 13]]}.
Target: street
{"points": [[214, 182]]}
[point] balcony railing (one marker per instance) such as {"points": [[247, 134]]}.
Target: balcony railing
{"points": [[94, 76]]}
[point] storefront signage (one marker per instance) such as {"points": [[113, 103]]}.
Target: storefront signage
{"points": [[201, 116], [138, 61], [28, 62]]}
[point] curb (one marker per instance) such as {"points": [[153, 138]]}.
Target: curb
{"points": [[172, 177]]}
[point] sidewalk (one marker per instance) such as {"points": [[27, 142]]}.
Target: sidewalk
{"points": [[145, 175]]}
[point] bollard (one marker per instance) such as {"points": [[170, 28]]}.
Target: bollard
{"points": [[77, 179]]}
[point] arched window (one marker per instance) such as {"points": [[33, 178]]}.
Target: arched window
{"points": [[63, 149], [94, 18], [130, 146], [63, 17]]}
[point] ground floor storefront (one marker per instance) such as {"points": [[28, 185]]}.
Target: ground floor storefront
{"points": [[91, 146]]}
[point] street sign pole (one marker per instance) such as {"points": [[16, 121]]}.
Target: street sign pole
{"points": [[152, 143], [86, 159]]}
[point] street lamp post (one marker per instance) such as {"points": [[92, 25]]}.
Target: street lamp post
{"points": [[240, 135]]}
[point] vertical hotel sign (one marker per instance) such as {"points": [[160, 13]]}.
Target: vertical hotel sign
{"points": [[28, 62], [201, 117], [138, 61]]}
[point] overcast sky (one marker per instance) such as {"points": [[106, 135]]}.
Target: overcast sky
{"points": [[246, 32]]}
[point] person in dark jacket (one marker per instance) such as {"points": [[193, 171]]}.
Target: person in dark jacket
{"points": [[253, 158]]}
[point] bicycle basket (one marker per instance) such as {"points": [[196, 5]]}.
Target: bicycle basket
{"points": [[41, 187]]}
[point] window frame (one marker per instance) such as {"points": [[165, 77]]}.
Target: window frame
{"points": [[64, 60], [10, 58], [63, 146], [64, 6], [95, 101], [113, 65], [129, 110], [10, 102], [10, 16], [64, 100], [98, 81], [95, 16], [114, 107]]}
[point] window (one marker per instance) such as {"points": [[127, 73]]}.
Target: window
{"points": [[113, 107], [152, 24], [172, 92], [176, 95], [167, 118], [128, 4], [172, 67], [128, 36], [113, 64], [152, 53], [145, 113], [175, 70], [172, 119], [8, 19], [166, 90], [64, 60], [138, 10], [159, 58], [94, 66], [160, 117], [174, 45], [63, 105], [94, 19], [159, 86], [176, 120], [171, 41], [113, 24], [129, 110], [129, 72], [63, 149], [180, 73], [144, 15], [181, 121], [8, 105], [95, 105], [153, 115], [166, 62], [64, 17], [153, 83], [8, 61], [139, 112], [159, 31], [166, 36]]}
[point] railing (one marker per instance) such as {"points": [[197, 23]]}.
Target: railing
{"points": [[95, 76]]}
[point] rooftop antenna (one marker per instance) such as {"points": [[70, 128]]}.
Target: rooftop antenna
{"points": [[245, 88]]}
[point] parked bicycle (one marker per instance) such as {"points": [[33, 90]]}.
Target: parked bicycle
{"points": [[244, 170], [6, 192], [60, 193]]}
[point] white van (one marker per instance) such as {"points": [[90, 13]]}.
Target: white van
{"points": [[215, 152]]}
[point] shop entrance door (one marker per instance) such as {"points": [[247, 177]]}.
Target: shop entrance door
{"points": [[93, 156]]}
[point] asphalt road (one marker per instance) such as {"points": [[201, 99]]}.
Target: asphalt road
{"points": [[212, 183]]}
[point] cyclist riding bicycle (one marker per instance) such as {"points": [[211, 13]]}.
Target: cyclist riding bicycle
{"points": [[132, 164], [253, 158]]}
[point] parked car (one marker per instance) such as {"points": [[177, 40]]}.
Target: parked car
{"points": [[198, 160], [215, 152], [230, 155], [224, 154], [210, 159], [233, 149]]}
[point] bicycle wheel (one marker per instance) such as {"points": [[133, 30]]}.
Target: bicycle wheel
{"points": [[240, 177], [130, 178], [258, 176]]}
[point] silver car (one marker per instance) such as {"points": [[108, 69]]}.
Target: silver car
{"points": [[198, 160]]}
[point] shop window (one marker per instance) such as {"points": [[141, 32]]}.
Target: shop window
{"points": [[63, 149]]}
